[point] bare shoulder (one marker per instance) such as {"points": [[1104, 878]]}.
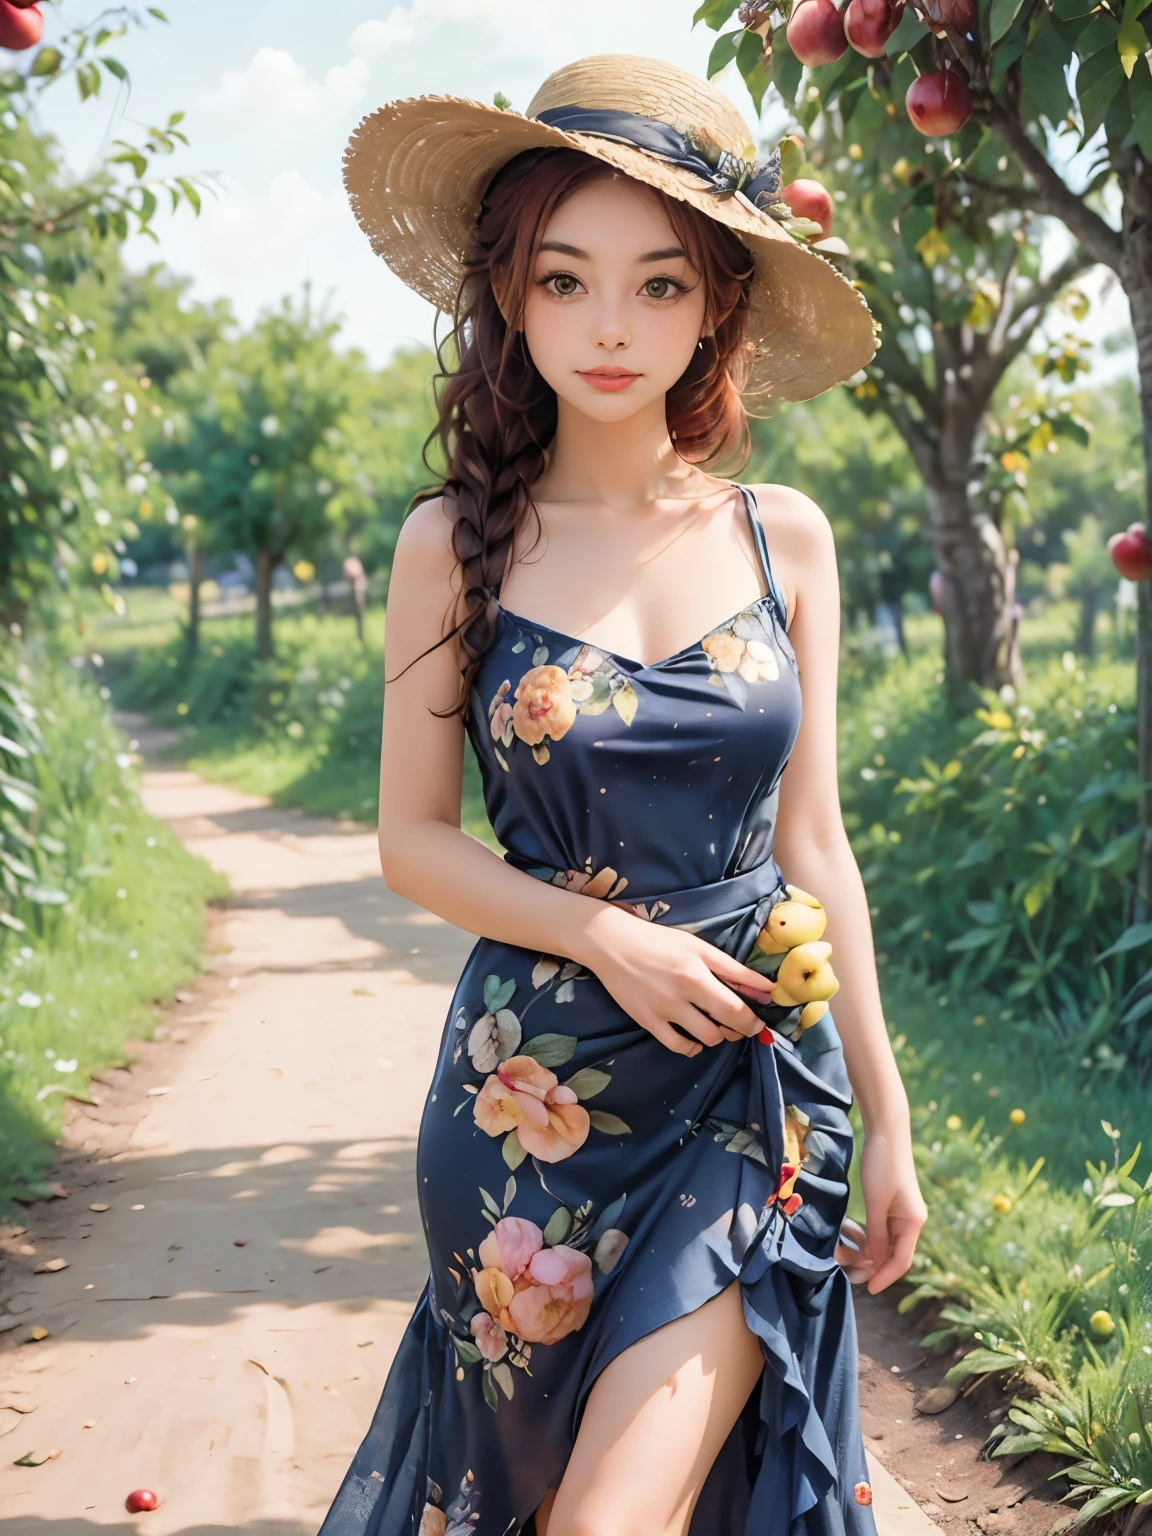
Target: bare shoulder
{"points": [[793, 523], [424, 551]]}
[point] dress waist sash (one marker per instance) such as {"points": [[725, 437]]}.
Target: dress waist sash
{"points": [[728, 912]]}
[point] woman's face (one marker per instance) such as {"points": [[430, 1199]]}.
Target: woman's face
{"points": [[614, 310]]}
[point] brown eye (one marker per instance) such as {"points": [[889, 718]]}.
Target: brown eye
{"points": [[564, 283], [658, 287]]}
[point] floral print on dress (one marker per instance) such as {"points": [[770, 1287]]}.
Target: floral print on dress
{"points": [[527, 1286], [459, 1519], [744, 650], [548, 697], [797, 1124], [521, 1098]]}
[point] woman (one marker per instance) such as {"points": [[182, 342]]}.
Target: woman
{"points": [[632, 1162]]}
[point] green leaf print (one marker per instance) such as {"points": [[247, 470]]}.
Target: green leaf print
{"points": [[588, 1082], [550, 1050], [491, 1204], [558, 1228], [518, 647], [600, 697], [609, 1216], [509, 1192], [497, 993], [466, 1352], [503, 1377], [490, 1394], [612, 1125], [512, 1151]]}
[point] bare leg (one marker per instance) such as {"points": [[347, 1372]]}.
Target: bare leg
{"points": [[654, 1423]]}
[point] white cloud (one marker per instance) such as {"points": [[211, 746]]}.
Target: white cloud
{"points": [[372, 38], [257, 246], [275, 88]]}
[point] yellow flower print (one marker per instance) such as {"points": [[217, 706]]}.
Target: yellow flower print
{"points": [[754, 660], [544, 705]]}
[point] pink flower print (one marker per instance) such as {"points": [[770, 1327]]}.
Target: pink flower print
{"points": [[524, 1097], [539, 1294], [491, 1340]]}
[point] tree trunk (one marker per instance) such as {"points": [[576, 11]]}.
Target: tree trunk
{"points": [[1086, 639], [265, 566], [1136, 279], [979, 597], [195, 579]]}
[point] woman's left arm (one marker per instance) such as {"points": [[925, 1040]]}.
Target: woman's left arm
{"points": [[813, 850]]}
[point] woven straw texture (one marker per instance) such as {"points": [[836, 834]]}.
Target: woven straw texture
{"points": [[416, 171]]}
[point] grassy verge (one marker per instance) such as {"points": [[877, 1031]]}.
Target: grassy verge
{"points": [[109, 928], [1034, 1270], [303, 729]]}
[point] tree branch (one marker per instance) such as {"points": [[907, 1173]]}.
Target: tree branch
{"points": [[1053, 195]]}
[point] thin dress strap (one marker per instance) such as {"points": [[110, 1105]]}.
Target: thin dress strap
{"points": [[777, 592]]}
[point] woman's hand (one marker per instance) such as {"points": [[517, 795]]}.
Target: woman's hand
{"points": [[662, 977], [895, 1212]]}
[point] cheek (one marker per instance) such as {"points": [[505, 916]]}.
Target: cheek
{"points": [[551, 333]]}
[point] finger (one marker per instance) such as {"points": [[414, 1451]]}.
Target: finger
{"points": [[877, 1239], [675, 1042], [723, 1007], [721, 964], [900, 1262], [689, 1017], [854, 1232]]}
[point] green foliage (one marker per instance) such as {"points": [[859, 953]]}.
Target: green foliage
{"points": [[303, 728], [79, 975], [63, 437], [1000, 849], [861, 473], [1034, 1273], [252, 456]]}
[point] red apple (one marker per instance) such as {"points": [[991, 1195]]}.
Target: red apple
{"points": [[1132, 553], [939, 104], [816, 33], [809, 200], [868, 24], [20, 26], [139, 1500]]}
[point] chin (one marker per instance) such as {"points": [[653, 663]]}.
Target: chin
{"points": [[610, 408]]}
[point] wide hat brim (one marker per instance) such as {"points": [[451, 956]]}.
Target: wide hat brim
{"points": [[416, 171]]}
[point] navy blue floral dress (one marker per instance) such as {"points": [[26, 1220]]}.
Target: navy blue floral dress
{"points": [[581, 1184]]}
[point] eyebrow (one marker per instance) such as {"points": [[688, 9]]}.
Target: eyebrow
{"points": [[561, 249]]}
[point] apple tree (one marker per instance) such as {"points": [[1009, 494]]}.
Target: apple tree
{"points": [[957, 281], [1030, 106], [67, 430]]}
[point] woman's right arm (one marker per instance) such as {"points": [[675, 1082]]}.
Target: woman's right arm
{"points": [[656, 973]]}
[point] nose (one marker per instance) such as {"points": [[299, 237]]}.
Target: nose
{"points": [[611, 333]]}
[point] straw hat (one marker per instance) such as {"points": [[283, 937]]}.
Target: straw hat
{"points": [[417, 169]]}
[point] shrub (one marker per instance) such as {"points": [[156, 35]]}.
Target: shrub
{"points": [[999, 850]]}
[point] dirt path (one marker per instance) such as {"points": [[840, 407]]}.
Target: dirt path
{"points": [[222, 1329]]}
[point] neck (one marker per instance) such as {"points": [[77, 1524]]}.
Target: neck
{"points": [[621, 465]]}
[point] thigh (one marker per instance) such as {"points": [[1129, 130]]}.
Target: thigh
{"points": [[654, 1423]]}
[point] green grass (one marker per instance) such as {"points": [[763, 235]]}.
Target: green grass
{"points": [[81, 977]]}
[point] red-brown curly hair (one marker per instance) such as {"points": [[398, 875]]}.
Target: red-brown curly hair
{"points": [[497, 416]]}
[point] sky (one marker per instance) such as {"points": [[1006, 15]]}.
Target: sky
{"points": [[272, 90]]}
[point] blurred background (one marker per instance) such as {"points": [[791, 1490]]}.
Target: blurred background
{"points": [[213, 407]]}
